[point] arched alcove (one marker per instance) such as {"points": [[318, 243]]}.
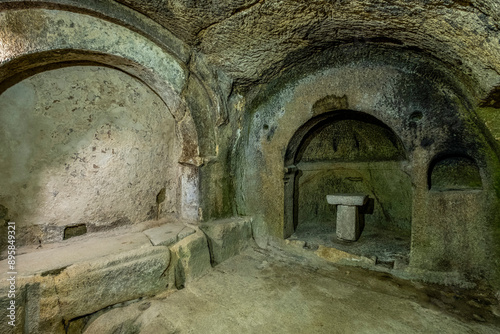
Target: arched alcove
{"points": [[348, 152], [86, 145], [454, 172], [77, 40]]}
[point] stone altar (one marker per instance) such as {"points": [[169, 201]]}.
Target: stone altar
{"points": [[348, 216]]}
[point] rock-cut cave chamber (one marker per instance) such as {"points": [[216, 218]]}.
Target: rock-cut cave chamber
{"points": [[145, 143]]}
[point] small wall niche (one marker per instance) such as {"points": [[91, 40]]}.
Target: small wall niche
{"points": [[74, 231], [454, 173]]}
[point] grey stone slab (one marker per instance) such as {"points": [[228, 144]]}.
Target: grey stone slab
{"points": [[228, 237], [69, 252], [190, 259], [347, 199], [185, 232], [168, 234], [115, 278]]}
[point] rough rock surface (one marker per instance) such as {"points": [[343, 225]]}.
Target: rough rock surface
{"points": [[227, 237], [168, 234], [262, 292], [190, 259], [252, 40], [78, 151]]}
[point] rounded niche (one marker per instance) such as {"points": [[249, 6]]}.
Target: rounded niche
{"points": [[454, 172]]}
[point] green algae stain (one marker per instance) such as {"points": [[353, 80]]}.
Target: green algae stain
{"points": [[491, 118]]}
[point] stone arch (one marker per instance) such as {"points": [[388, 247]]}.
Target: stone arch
{"points": [[80, 38], [300, 159]]}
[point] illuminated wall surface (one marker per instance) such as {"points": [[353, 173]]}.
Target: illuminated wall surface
{"points": [[85, 145]]}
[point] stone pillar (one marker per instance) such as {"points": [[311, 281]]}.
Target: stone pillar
{"points": [[289, 201], [348, 222], [189, 196]]}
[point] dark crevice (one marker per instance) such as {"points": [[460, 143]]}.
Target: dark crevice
{"points": [[210, 249], [180, 276], [53, 272], [246, 7]]}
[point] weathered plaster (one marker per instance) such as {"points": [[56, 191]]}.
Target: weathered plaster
{"points": [[86, 145]]}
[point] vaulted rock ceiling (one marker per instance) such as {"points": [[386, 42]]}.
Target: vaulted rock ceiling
{"points": [[256, 40]]}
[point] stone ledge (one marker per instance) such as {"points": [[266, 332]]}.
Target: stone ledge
{"points": [[168, 234], [72, 279], [70, 252], [47, 300], [347, 199], [228, 237], [190, 259]]}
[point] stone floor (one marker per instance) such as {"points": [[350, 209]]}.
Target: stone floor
{"points": [[271, 291], [385, 245]]}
